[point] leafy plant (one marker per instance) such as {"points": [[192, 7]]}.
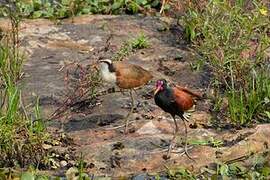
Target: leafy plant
{"points": [[210, 142], [11, 59], [180, 173], [244, 105], [70, 8], [139, 42], [21, 136], [232, 41]]}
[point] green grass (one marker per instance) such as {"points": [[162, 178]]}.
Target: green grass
{"points": [[22, 131], [244, 105], [11, 59], [20, 135], [210, 142], [128, 47], [179, 173], [232, 40]]}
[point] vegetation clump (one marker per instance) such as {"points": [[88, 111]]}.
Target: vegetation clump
{"points": [[139, 42], [22, 131], [232, 38], [68, 8]]}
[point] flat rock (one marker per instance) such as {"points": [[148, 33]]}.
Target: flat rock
{"points": [[148, 128]]}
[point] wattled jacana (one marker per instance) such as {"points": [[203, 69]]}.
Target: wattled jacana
{"points": [[125, 76], [174, 100]]}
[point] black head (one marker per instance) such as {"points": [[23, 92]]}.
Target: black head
{"points": [[161, 85], [106, 61]]}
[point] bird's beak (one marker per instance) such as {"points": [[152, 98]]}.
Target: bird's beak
{"points": [[157, 90]]}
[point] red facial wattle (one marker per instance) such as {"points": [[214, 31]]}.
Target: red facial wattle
{"points": [[159, 87]]}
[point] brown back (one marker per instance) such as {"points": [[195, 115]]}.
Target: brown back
{"points": [[183, 99], [194, 94], [131, 75]]}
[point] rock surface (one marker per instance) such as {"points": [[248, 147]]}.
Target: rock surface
{"points": [[49, 46]]}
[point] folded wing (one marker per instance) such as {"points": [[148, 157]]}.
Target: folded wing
{"points": [[131, 75]]}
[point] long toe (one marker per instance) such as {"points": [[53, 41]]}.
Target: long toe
{"points": [[188, 155], [171, 146], [187, 116]]}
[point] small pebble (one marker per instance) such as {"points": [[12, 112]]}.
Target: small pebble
{"points": [[47, 146], [63, 163]]}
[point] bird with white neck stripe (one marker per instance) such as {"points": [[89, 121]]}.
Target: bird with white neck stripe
{"points": [[125, 76]]}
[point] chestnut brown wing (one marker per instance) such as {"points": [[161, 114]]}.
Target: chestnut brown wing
{"points": [[182, 99], [195, 94], [131, 75]]}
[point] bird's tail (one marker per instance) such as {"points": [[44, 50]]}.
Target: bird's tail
{"points": [[195, 94]]}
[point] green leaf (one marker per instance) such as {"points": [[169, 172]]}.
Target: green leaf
{"points": [[37, 14], [66, 2], [141, 2], [26, 9], [62, 12], [49, 12], [86, 10], [267, 114], [266, 171], [155, 3], [42, 178], [37, 4], [116, 5], [167, 7], [27, 176], [133, 7], [224, 170]]}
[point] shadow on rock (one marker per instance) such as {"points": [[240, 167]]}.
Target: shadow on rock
{"points": [[91, 122]]}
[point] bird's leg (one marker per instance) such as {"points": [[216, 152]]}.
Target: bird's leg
{"points": [[111, 90], [122, 92], [131, 110], [143, 105], [186, 150], [173, 139]]}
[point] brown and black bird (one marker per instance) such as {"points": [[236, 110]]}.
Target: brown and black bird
{"points": [[174, 100], [125, 76]]}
